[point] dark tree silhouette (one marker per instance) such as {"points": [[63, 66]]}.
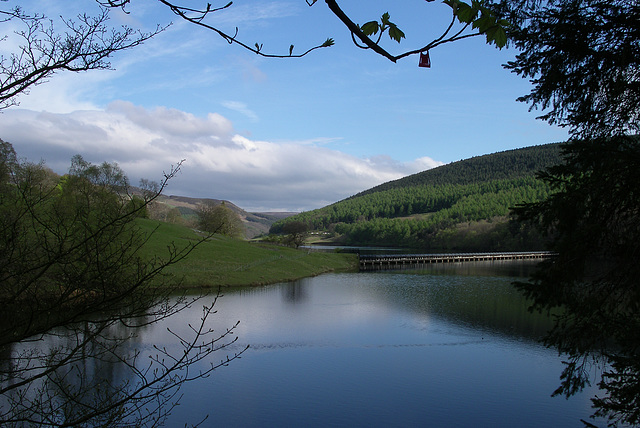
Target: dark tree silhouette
{"points": [[583, 58]]}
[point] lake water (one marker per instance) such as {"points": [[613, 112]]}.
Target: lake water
{"points": [[451, 347]]}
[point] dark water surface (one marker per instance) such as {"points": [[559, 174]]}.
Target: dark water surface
{"points": [[441, 348]]}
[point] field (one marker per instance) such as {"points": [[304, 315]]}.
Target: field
{"points": [[224, 261]]}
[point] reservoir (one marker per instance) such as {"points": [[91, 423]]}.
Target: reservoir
{"points": [[448, 346]]}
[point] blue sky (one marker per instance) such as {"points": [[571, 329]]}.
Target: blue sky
{"points": [[276, 134]]}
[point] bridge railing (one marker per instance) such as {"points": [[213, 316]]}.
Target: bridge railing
{"points": [[397, 261]]}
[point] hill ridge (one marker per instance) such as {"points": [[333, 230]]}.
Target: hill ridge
{"points": [[548, 154], [462, 205]]}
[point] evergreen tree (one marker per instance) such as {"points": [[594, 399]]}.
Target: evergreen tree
{"points": [[583, 57]]}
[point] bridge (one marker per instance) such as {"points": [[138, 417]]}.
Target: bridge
{"points": [[407, 261]]}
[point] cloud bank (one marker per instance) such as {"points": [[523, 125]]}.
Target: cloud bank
{"points": [[219, 163]]}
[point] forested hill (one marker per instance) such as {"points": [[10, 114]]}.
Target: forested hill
{"points": [[460, 206], [497, 166]]}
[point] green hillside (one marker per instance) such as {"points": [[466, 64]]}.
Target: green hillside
{"points": [[225, 261], [460, 206], [509, 164]]}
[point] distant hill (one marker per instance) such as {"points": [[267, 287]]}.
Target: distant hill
{"points": [[509, 164], [182, 209], [459, 206]]}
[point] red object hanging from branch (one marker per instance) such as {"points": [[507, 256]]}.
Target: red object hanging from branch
{"points": [[425, 61]]}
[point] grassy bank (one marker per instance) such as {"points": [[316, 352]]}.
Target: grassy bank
{"points": [[232, 262]]}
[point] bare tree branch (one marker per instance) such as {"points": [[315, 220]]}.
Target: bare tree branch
{"points": [[87, 44], [199, 16]]}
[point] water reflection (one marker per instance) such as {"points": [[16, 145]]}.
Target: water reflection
{"points": [[69, 374], [509, 268], [596, 330], [462, 297], [101, 372], [294, 292], [412, 348], [388, 349]]}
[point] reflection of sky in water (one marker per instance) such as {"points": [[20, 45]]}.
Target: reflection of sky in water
{"points": [[386, 349]]}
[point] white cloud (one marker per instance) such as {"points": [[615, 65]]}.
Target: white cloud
{"points": [[256, 175], [241, 108], [64, 92]]}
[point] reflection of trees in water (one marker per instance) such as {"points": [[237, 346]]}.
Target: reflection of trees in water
{"points": [[95, 373], [295, 292], [467, 296], [604, 343], [621, 382], [592, 337], [592, 221], [511, 268], [85, 369]]}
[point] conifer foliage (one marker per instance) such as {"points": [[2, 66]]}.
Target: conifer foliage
{"points": [[583, 58], [433, 210]]}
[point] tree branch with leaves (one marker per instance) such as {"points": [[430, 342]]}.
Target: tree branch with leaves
{"points": [[473, 19], [468, 20]]}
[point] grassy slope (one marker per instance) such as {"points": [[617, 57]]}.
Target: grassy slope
{"points": [[232, 262]]}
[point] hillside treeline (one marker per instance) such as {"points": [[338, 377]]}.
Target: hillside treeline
{"points": [[522, 162], [460, 206]]}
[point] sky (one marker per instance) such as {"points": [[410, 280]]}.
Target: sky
{"points": [[275, 134]]}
